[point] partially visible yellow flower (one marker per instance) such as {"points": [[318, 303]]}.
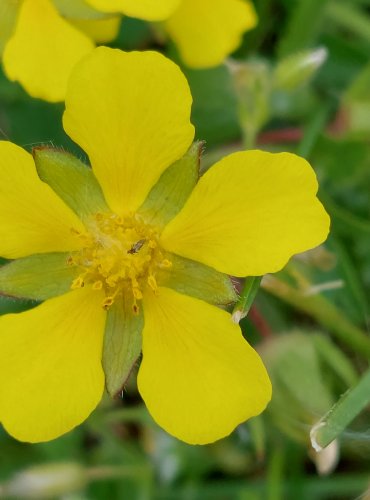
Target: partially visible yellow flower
{"points": [[130, 255], [205, 31], [43, 39]]}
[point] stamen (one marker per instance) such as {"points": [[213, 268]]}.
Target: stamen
{"points": [[78, 283], [120, 257], [165, 263], [98, 285], [152, 283]]}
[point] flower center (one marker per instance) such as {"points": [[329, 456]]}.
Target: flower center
{"points": [[121, 256]]}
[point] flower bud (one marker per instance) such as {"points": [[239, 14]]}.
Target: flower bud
{"points": [[298, 69]]}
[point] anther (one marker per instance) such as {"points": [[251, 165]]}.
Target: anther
{"points": [[70, 261], [165, 263], [78, 283], [152, 283], [137, 293], [98, 285]]}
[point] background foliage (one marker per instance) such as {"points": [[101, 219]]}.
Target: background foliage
{"points": [[310, 322]]}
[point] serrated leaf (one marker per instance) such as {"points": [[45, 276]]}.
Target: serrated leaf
{"points": [[73, 181], [37, 277], [197, 280], [173, 188], [122, 345]]}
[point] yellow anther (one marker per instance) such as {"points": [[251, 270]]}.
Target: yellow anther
{"points": [[152, 283], [107, 303], [112, 280], [121, 256], [78, 283], [70, 261], [165, 263], [98, 285], [137, 293]]}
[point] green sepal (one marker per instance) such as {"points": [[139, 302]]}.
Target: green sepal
{"points": [[37, 277], [8, 18], [197, 280], [173, 188], [73, 181], [122, 345], [78, 9]]}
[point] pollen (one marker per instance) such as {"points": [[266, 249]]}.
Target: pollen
{"points": [[121, 256]]}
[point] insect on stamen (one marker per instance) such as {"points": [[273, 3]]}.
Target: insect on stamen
{"points": [[136, 247]]}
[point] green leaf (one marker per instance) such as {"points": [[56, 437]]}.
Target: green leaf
{"points": [[300, 388], [73, 181], [37, 277], [341, 414], [197, 280], [303, 26], [351, 17], [172, 190], [122, 345], [335, 358]]}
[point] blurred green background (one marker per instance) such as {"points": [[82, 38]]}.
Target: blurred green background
{"points": [[300, 82]]}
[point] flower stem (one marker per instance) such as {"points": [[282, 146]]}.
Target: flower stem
{"points": [[246, 299]]}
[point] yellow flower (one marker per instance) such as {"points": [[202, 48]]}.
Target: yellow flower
{"points": [[136, 248], [205, 32], [42, 40]]}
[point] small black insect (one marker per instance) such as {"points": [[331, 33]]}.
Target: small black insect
{"points": [[136, 247]]}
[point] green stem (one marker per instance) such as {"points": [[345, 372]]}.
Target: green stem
{"points": [[112, 472], [246, 299], [341, 414], [275, 474], [130, 414], [323, 312], [314, 128]]}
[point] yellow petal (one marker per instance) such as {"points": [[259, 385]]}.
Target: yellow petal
{"points": [[43, 50], [144, 9], [208, 31], [131, 113], [199, 378], [8, 17], [99, 30], [32, 217], [249, 214], [50, 366]]}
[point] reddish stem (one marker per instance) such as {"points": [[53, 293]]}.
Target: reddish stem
{"points": [[260, 323]]}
